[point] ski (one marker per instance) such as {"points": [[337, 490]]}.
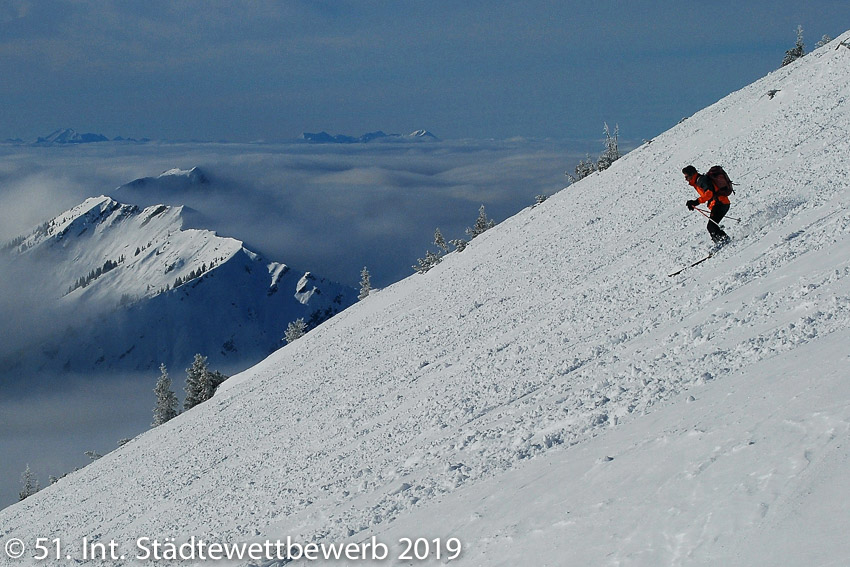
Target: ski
{"points": [[676, 273]]}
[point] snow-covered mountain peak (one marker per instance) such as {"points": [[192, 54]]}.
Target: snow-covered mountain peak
{"points": [[144, 250], [550, 394], [170, 187], [421, 134], [92, 211], [176, 171], [195, 175], [154, 270]]}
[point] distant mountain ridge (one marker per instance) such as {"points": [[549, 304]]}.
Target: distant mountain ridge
{"points": [[63, 136], [70, 136], [379, 136]]}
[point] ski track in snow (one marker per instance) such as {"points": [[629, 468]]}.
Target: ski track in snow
{"points": [[495, 380]]}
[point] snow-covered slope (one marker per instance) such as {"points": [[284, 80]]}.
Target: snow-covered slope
{"points": [[130, 288], [550, 396]]}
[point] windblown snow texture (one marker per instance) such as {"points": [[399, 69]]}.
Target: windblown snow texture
{"points": [[549, 396]]}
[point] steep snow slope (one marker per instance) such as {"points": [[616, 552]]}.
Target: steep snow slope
{"points": [[138, 287], [745, 471], [549, 396]]}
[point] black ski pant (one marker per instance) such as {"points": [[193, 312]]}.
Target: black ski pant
{"points": [[717, 213]]}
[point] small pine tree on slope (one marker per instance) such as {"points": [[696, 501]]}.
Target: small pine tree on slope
{"points": [[611, 154], [215, 380], [797, 51], [612, 151], [29, 484], [440, 241], [431, 259], [823, 41], [166, 400], [584, 168], [482, 224], [295, 330], [365, 284], [197, 382]]}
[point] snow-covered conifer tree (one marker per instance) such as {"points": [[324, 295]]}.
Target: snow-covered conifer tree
{"points": [[797, 51], [295, 330], [166, 400], [429, 261], [440, 242], [365, 284], [584, 168], [215, 380], [459, 243], [482, 224], [612, 151], [197, 382], [823, 41], [29, 484]]}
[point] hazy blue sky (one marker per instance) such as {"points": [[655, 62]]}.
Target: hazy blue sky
{"points": [[252, 70]]}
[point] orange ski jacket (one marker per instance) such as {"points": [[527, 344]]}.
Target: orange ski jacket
{"points": [[705, 187]]}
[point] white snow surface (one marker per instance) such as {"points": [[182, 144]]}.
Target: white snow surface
{"points": [[550, 396]]}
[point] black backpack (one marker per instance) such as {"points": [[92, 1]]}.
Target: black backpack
{"points": [[721, 181]]}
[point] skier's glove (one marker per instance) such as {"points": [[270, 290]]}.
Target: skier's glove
{"points": [[691, 204]]}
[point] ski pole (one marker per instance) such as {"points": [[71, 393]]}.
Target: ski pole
{"points": [[707, 215], [703, 213]]}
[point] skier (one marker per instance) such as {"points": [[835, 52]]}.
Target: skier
{"points": [[718, 204]]}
